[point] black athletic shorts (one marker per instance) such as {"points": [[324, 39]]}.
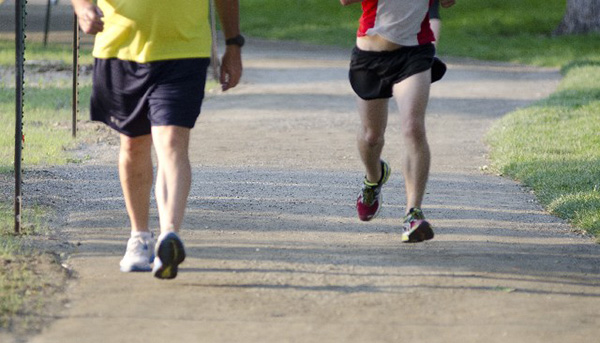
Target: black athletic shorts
{"points": [[373, 74], [132, 97], [434, 10]]}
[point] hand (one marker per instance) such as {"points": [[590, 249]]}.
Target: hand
{"points": [[89, 17], [231, 67], [349, 2], [447, 3]]}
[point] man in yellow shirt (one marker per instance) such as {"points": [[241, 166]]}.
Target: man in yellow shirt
{"points": [[151, 58]]}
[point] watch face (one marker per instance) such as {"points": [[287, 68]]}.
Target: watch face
{"points": [[237, 40]]}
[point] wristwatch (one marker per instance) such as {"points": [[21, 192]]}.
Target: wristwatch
{"points": [[237, 40]]}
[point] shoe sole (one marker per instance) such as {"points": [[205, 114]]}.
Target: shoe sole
{"points": [[135, 269], [421, 232], [170, 254]]}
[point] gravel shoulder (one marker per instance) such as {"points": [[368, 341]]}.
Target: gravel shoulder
{"points": [[275, 252]]}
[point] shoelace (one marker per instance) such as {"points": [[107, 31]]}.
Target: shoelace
{"points": [[368, 195], [414, 214]]}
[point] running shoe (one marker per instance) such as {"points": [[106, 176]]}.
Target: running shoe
{"points": [[369, 199], [416, 228], [169, 254], [139, 254]]}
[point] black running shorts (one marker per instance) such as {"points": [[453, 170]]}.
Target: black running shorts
{"points": [[132, 97], [374, 73]]}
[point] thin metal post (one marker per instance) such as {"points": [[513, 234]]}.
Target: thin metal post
{"points": [[19, 81], [47, 22], [214, 54], [75, 86]]}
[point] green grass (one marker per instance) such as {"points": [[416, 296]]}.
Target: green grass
{"points": [[46, 124], [513, 31], [553, 147], [37, 52], [314, 21]]}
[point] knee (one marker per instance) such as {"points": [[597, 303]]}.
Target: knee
{"points": [[170, 138], [135, 147], [414, 132], [372, 137]]}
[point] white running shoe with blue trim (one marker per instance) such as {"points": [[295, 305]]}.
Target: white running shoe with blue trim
{"points": [[139, 254]]}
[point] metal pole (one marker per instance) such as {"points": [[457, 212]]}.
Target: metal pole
{"points": [[47, 22], [19, 81], [75, 88], [214, 58]]}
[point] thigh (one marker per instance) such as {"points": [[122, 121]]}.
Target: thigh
{"points": [[170, 140], [412, 97], [176, 98], [373, 115], [119, 96]]}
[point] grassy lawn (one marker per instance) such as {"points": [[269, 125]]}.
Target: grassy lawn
{"points": [[37, 52], [313, 21], [553, 147]]}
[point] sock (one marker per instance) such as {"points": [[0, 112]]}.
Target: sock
{"points": [[141, 234]]}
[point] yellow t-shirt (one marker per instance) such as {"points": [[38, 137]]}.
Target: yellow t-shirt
{"points": [[153, 30]]}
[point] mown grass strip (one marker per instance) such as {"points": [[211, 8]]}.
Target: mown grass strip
{"points": [[553, 147]]}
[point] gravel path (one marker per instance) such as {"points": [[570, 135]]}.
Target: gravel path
{"points": [[276, 253]]}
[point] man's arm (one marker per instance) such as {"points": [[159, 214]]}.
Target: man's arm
{"points": [[231, 64], [349, 2], [89, 16]]}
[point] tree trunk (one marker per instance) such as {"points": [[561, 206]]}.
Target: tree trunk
{"points": [[581, 16]]}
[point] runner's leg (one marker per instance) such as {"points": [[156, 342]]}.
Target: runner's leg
{"points": [[412, 96], [371, 135]]}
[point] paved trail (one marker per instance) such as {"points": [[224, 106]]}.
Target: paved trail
{"points": [[276, 253]]}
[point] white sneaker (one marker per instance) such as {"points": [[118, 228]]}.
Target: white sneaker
{"points": [[139, 254]]}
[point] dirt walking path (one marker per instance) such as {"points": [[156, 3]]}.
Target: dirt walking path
{"points": [[276, 253]]}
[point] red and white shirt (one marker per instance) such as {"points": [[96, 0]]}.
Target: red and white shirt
{"points": [[404, 22]]}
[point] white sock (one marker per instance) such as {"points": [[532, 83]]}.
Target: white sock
{"points": [[141, 234]]}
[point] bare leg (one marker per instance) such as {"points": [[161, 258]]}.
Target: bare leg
{"points": [[135, 174], [373, 117], [412, 96], [174, 175], [436, 27]]}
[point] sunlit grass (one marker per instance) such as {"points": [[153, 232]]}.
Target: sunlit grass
{"points": [[552, 147]]}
